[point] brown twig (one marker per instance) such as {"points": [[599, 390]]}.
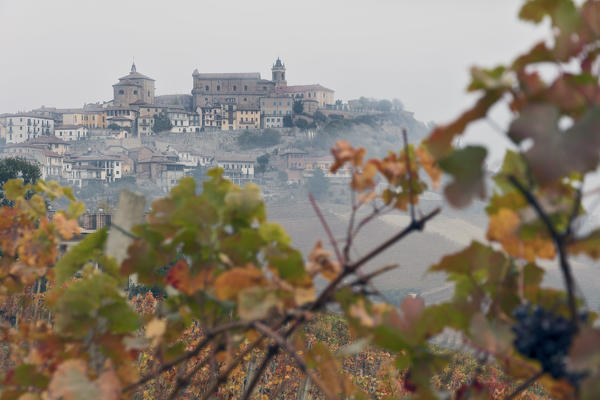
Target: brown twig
{"points": [[365, 279], [209, 336], [183, 383], [559, 243], [416, 225], [411, 195], [332, 240], [225, 374], [265, 330], [523, 386]]}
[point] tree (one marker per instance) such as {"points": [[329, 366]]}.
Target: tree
{"points": [[317, 184], [17, 168], [262, 163], [384, 106], [114, 127], [264, 138], [298, 107], [302, 123], [320, 117], [162, 123], [288, 122]]}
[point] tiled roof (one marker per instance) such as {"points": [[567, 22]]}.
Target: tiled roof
{"points": [[302, 88]]}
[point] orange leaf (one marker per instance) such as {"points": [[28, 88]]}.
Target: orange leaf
{"points": [[230, 283]]}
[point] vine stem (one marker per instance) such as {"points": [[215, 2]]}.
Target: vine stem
{"points": [[559, 243], [415, 225], [523, 386]]}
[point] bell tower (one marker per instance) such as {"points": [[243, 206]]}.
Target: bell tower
{"points": [[278, 72]]}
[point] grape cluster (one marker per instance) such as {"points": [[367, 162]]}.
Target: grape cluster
{"points": [[546, 337]]}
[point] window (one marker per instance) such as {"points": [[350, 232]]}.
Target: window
{"points": [[234, 88], [206, 87], [245, 88], [120, 92], [148, 93], [218, 87]]}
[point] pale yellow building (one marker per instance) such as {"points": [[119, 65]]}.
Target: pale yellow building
{"points": [[248, 118]]}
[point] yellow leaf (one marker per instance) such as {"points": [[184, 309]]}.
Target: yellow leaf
{"points": [[230, 283]]}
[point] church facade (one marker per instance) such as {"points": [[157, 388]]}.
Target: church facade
{"points": [[133, 88], [243, 89]]}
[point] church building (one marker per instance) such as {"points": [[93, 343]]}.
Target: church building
{"points": [[132, 88]]}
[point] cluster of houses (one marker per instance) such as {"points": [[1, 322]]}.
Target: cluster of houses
{"points": [[218, 101], [78, 166]]}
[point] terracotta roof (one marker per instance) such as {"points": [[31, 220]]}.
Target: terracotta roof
{"points": [[49, 153], [48, 140], [135, 75], [68, 127], [234, 158], [303, 88]]}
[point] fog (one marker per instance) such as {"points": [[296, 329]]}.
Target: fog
{"points": [[67, 52]]}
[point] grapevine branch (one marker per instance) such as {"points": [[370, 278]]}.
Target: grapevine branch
{"points": [[523, 386], [265, 330], [559, 242], [326, 227], [325, 296], [209, 336]]}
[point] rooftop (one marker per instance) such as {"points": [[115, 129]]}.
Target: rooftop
{"points": [[233, 75], [303, 88]]}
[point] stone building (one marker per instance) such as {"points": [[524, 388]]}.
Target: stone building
{"points": [[132, 88], [22, 127], [323, 95], [243, 89], [71, 132]]}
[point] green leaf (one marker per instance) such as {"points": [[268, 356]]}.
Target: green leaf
{"points": [[86, 250], [120, 316], [76, 209], [27, 375], [466, 166], [14, 189]]}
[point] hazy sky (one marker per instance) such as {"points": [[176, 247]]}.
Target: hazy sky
{"points": [[66, 52]]}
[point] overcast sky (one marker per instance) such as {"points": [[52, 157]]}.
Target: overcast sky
{"points": [[67, 52]]}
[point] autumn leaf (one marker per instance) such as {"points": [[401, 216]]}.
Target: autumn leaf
{"points": [[343, 152], [66, 227], [70, 382], [429, 164], [466, 166], [179, 276], [230, 283]]}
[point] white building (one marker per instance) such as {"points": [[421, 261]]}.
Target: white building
{"points": [[71, 132], [22, 127], [238, 169], [110, 165]]}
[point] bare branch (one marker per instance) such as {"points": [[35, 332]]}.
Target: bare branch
{"points": [[523, 386], [410, 175], [225, 374], [332, 240], [209, 336], [283, 343], [365, 279]]}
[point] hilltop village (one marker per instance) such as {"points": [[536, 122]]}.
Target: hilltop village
{"points": [[245, 124]]}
